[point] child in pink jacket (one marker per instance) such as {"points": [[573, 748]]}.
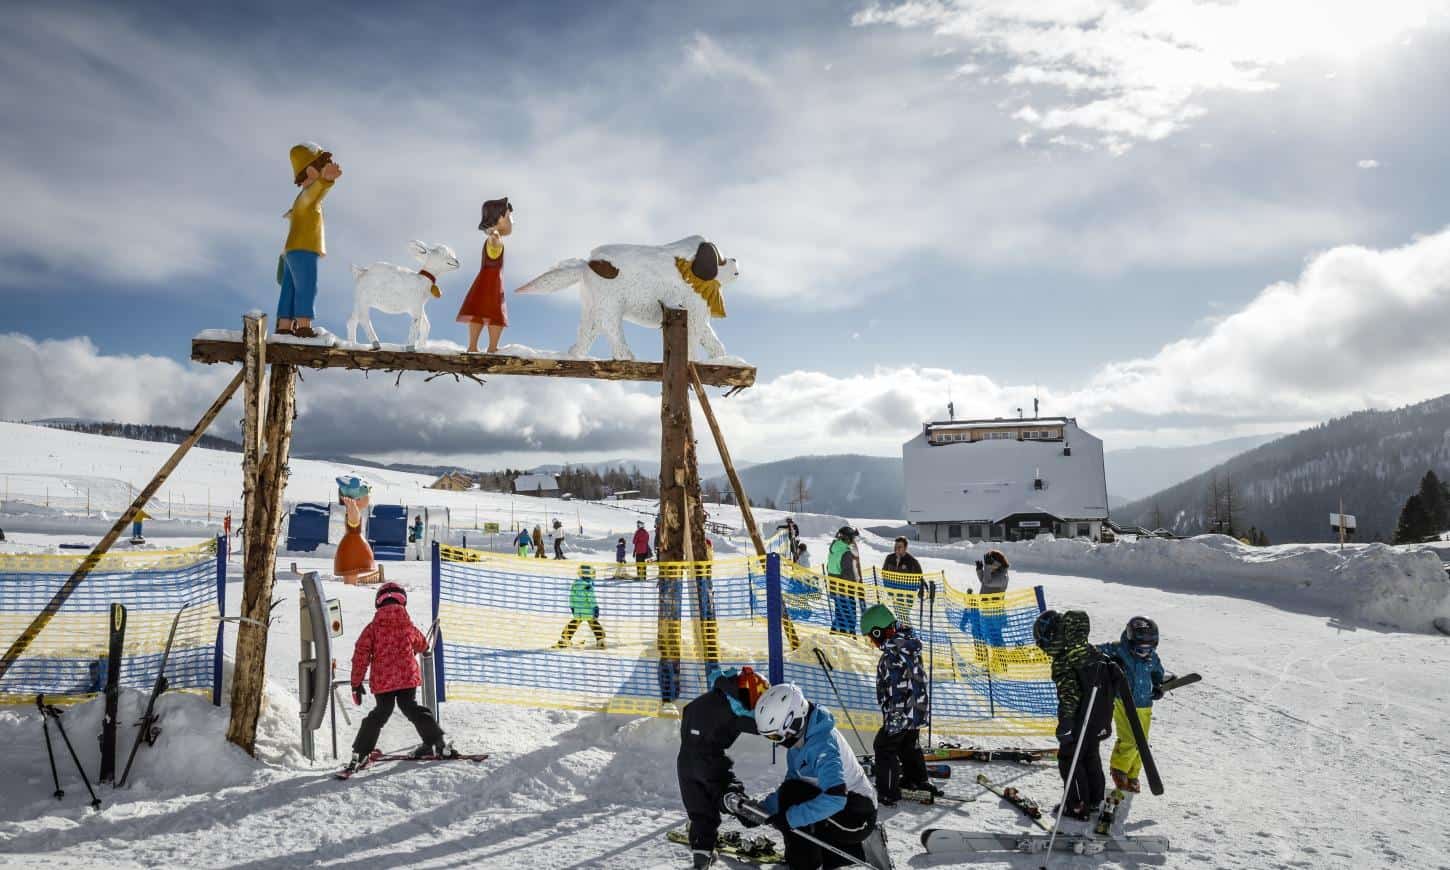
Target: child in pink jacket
{"points": [[389, 648]]}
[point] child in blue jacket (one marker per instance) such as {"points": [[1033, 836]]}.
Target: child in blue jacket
{"points": [[1137, 651], [825, 792]]}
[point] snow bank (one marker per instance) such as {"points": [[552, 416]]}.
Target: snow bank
{"points": [[1371, 583]]}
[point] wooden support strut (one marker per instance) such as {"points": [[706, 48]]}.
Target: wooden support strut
{"points": [[266, 449], [57, 601], [740, 497]]}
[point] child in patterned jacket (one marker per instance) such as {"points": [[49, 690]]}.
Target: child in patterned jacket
{"points": [[904, 694]]}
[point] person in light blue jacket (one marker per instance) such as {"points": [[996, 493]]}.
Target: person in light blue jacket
{"points": [[825, 793], [1137, 652]]}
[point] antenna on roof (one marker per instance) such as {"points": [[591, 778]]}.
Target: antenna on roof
{"points": [[1019, 413], [951, 406], [1034, 406]]}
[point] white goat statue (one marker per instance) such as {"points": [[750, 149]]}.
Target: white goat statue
{"points": [[630, 282], [399, 290]]}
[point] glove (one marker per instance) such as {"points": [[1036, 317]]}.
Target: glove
{"points": [[1066, 734], [1157, 692], [778, 821], [743, 808], [357, 695]]}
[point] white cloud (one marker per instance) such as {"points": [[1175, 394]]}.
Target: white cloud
{"points": [[1135, 69], [1354, 330], [710, 58], [1368, 164]]}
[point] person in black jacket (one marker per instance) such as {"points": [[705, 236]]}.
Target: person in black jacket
{"points": [[898, 561], [708, 727]]}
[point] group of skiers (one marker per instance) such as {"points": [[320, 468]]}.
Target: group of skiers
{"points": [[1090, 701], [525, 543]]}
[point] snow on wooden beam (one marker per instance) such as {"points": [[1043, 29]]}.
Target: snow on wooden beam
{"points": [[206, 349]]}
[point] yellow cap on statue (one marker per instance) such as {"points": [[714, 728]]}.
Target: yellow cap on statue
{"points": [[303, 154]]}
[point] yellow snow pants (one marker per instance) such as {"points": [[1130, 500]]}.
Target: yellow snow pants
{"points": [[1125, 755]]}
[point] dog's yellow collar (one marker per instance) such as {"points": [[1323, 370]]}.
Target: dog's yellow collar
{"points": [[706, 290]]}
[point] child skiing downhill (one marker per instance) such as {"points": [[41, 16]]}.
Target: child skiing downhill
{"points": [[1078, 667], [584, 607], [389, 648], [825, 793], [708, 726], [1136, 651], [904, 695]]}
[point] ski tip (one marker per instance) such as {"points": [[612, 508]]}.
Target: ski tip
{"points": [[926, 835]]}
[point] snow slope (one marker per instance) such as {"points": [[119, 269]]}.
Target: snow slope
{"points": [[1306, 746], [1310, 743]]}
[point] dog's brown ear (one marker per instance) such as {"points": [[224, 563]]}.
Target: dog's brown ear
{"points": [[603, 268], [707, 262]]}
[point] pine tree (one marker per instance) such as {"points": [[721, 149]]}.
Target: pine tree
{"points": [[1415, 522], [1435, 498]]}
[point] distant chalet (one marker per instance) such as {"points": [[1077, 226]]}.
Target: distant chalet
{"points": [[536, 484], [1005, 480]]}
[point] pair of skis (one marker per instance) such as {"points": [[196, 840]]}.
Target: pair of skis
{"points": [[378, 755], [758, 849], [941, 841]]}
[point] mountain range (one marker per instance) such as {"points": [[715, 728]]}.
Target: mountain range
{"points": [[1287, 488]]}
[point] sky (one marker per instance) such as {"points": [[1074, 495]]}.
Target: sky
{"points": [[1178, 221]]}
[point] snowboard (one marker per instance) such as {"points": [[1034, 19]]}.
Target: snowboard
{"points": [[751, 850], [943, 841], [939, 771], [1179, 682]]}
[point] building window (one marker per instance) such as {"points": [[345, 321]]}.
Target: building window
{"points": [[954, 532], [974, 531], [1084, 530], [999, 532]]}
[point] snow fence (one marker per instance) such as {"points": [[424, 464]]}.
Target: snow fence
{"points": [[159, 588], [637, 638]]}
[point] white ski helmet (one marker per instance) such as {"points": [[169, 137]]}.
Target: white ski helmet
{"points": [[780, 714]]}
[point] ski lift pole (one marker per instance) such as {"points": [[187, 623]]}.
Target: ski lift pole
{"points": [[826, 668]]}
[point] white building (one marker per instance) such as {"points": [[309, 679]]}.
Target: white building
{"points": [[1004, 480]]}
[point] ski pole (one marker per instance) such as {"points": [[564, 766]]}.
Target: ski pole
{"points": [[45, 726], [826, 669], [54, 713], [759, 816], [1071, 772]]}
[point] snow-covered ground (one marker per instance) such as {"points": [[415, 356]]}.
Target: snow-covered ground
{"points": [[1317, 738]]}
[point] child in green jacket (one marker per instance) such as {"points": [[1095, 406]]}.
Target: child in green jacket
{"points": [[584, 607]]}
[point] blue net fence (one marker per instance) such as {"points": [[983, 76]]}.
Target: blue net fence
{"points": [[159, 588], [640, 639]]}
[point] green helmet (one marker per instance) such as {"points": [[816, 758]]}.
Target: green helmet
{"points": [[878, 617]]}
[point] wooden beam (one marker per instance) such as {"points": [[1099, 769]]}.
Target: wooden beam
{"points": [[265, 457], [740, 496], [214, 350], [675, 440], [42, 619]]}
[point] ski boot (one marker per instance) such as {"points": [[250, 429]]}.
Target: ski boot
{"points": [[1132, 786], [926, 786], [702, 859], [1120, 778]]}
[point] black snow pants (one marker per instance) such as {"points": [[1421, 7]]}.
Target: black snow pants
{"points": [[1087, 788], [899, 763], [702, 786], [405, 700], [846, 830]]}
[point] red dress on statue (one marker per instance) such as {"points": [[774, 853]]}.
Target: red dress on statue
{"points": [[354, 556], [484, 302]]}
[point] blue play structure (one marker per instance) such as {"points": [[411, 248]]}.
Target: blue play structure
{"points": [[307, 527], [388, 532]]}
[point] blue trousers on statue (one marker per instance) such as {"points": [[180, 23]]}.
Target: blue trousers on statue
{"points": [[298, 274]]}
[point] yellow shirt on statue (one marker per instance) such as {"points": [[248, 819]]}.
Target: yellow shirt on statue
{"points": [[305, 233]]}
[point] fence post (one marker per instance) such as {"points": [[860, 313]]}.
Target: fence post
{"points": [[221, 609], [1041, 599], [438, 693], [774, 611]]}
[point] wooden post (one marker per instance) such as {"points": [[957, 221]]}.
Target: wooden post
{"points": [[57, 601], [677, 457], [740, 496], [266, 447]]}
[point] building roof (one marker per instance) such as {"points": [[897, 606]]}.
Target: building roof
{"points": [[535, 482], [999, 423], [988, 480], [453, 480]]}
